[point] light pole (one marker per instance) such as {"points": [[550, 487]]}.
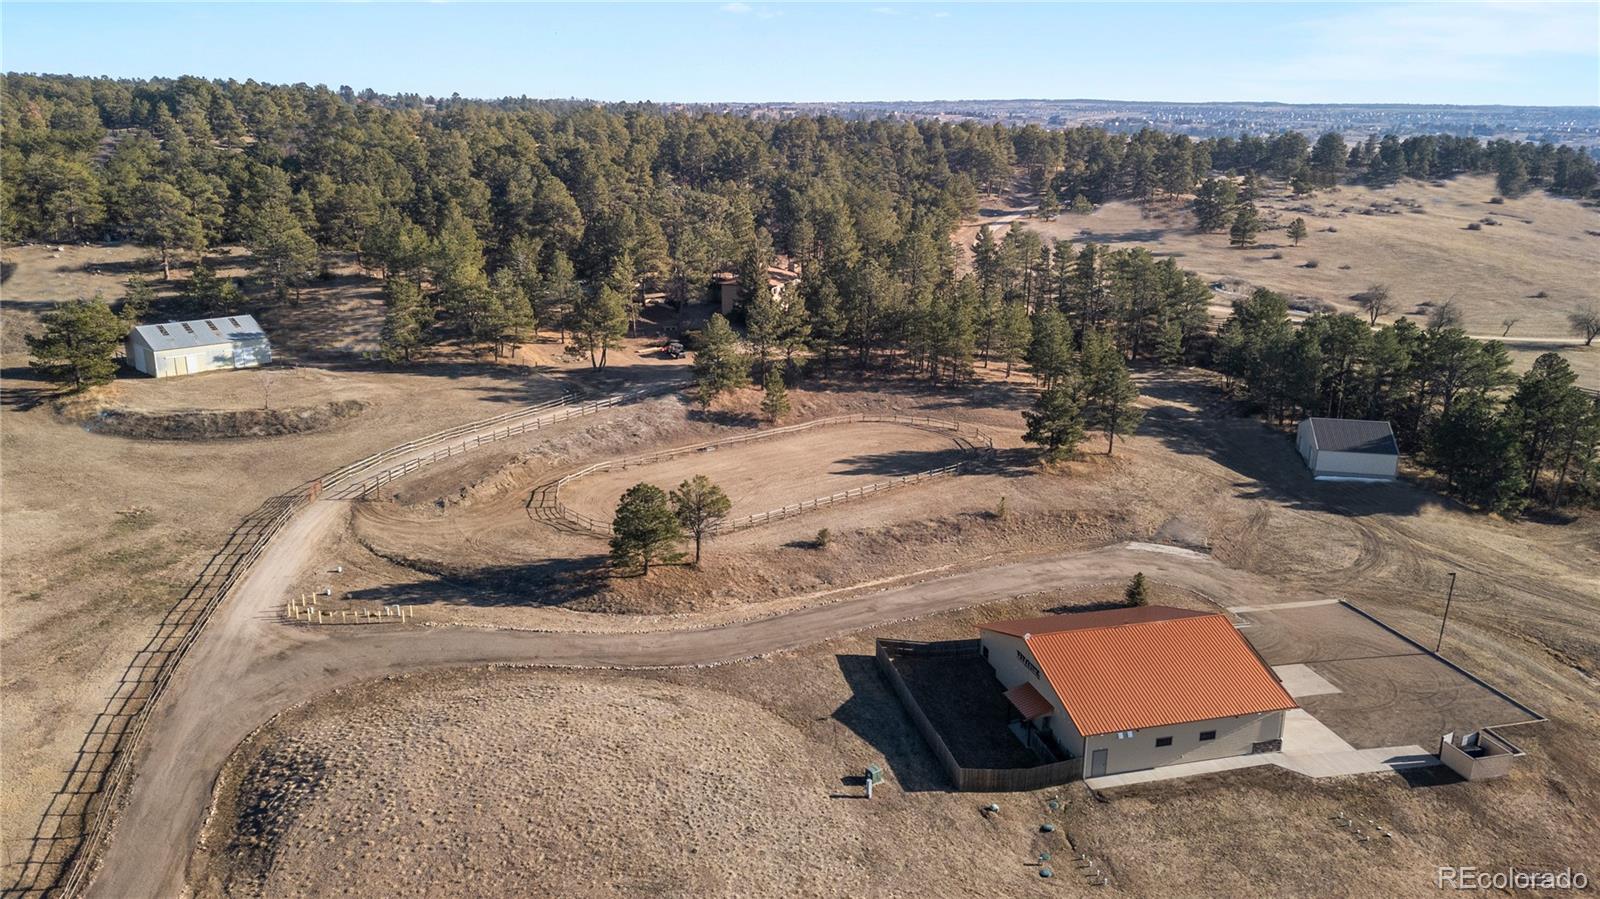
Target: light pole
{"points": [[1448, 596]]}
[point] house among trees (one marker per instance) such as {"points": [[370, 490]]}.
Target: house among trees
{"points": [[727, 291], [1136, 688], [206, 344], [1344, 449]]}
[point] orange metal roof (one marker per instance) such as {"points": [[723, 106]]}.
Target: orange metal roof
{"points": [[1154, 670], [1029, 701]]}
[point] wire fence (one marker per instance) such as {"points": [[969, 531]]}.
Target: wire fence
{"points": [[547, 497]]}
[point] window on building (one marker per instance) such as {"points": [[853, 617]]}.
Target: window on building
{"points": [[1163, 741], [163, 330], [1207, 735], [186, 328]]}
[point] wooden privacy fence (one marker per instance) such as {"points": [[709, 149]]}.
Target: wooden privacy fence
{"points": [[66, 844], [970, 780], [547, 497]]}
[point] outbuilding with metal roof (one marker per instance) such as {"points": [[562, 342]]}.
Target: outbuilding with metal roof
{"points": [[1347, 449], [1131, 689], [191, 347]]}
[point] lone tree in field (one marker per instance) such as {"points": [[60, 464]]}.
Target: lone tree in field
{"points": [[1055, 423], [775, 404], [1297, 231], [1108, 392], [1081, 205], [599, 323], [1138, 593], [1375, 302], [644, 528], [79, 343], [700, 506], [718, 366], [1049, 206], [1585, 322], [1444, 316], [1246, 225]]}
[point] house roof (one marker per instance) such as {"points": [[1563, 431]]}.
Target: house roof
{"points": [[1130, 669], [200, 332], [1029, 701], [1349, 435]]}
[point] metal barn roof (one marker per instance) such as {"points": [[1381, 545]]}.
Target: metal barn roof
{"points": [[1349, 435], [200, 332], [1150, 667]]}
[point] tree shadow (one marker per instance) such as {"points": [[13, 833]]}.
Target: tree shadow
{"points": [[547, 582], [726, 418], [1265, 459], [899, 463]]}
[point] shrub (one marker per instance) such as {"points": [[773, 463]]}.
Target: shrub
{"points": [[1276, 256], [1311, 263], [1497, 200], [824, 537], [1475, 226]]}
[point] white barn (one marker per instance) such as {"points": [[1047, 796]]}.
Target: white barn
{"points": [[206, 344], [1348, 449]]}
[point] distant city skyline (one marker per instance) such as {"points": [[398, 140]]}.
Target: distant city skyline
{"points": [[1535, 54]]}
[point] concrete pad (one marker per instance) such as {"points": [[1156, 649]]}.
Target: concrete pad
{"points": [[1167, 550], [1300, 681], [1357, 761], [1303, 733], [1301, 604]]}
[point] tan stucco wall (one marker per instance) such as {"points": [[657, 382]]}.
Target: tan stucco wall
{"points": [[1002, 655], [1139, 751]]}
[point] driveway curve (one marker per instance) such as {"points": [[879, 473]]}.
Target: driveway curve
{"points": [[250, 665]]}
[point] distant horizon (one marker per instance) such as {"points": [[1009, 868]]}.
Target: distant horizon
{"points": [[1533, 55], [814, 102]]}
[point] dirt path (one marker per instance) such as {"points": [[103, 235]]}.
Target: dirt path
{"points": [[250, 666]]}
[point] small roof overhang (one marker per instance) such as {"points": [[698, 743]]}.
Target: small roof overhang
{"points": [[1027, 699]]}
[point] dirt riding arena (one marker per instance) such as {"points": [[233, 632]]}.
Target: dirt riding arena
{"points": [[826, 458]]}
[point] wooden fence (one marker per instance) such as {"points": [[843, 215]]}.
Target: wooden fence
{"points": [[67, 844], [969, 780], [969, 438]]}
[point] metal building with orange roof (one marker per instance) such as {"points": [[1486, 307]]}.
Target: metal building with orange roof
{"points": [[1130, 689]]}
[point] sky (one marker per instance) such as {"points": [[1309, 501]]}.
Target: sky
{"points": [[1544, 54]]}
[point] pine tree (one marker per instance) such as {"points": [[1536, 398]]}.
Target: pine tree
{"points": [[136, 301], [1138, 592], [763, 325], [206, 295], [1246, 225], [1014, 335], [1049, 206], [1297, 231], [285, 256], [644, 527], [1050, 351], [403, 322], [1055, 423], [599, 323], [1109, 393], [1081, 205], [775, 401], [165, 219], [79, 343], [1169, 344], [1214, 204], [718, 366], [700, 506]]}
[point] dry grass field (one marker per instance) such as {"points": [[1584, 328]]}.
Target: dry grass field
{"points": [[1411, 236], [768, 474], [743, 779], [723, 781]]}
